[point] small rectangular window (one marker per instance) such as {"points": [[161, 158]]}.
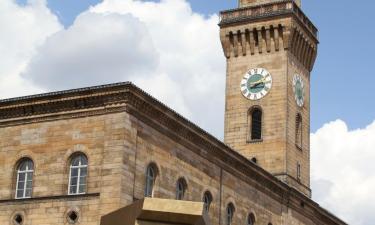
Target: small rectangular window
{"points": [[299, 131], [298, 171]]}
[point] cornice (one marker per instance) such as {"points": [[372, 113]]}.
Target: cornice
{"points": [[283, 8], [75, 100], [121, 97], [47, 198]]}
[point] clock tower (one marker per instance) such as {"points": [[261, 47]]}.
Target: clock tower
{"points": [[270, 46]]}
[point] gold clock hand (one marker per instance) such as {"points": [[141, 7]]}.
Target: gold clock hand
{"points": [[258, 82]]}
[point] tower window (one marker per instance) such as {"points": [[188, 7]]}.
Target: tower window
{"points": [[181, 189], [207, 200], [150, 180], [230, 214], [78, 175], [25, 173], [298, 171], [255, 120], [299, 131]]}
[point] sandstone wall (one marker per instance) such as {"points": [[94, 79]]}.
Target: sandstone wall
{"points": [[103, 139], [119, 147]]}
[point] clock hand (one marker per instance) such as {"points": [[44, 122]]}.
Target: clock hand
{"points": [[255, 85], [258, 82]]}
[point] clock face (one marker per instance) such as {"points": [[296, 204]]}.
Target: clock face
{"points": [[256, 84], [299, 90]]}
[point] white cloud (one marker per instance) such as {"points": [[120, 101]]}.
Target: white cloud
{"points": [[22, 30], [163, 47], [343, 171], [96, 49]]}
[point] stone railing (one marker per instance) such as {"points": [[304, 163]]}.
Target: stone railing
{"points": [[266, 10]]}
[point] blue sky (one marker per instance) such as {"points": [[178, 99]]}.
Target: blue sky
{"points": [[342, 80]]}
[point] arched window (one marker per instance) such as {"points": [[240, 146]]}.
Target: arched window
{"points": [[251, 219], [255, 120], [150, 180], [230, 214], [299, 130], [207, 200], [181, 188], [78, 175], [25, 172]]}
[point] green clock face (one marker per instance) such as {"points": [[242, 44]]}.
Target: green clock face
{"points": [[256, 84], [299, 90]]}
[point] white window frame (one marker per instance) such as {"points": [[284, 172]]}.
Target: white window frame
{"points": [[79, 167], [26, 172]]}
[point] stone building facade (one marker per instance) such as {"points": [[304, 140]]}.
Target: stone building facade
{"points": [[78, 156], [122, 130]]}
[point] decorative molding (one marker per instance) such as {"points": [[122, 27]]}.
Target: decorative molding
{"points": [[44, 198], [297, 36], [289, 30]]}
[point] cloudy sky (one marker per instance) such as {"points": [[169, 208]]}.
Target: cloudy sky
{"points": [[171, 49]]}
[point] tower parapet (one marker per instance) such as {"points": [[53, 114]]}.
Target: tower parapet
{"points": [[245, 3], [266, 26]]}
